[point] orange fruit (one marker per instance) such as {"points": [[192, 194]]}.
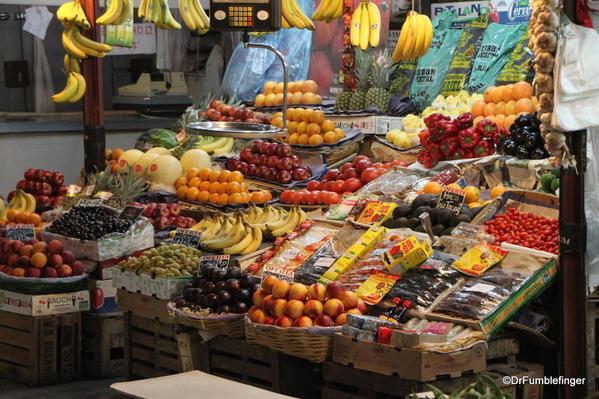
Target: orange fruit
{"points": [[296, 98], [291, 114], [317, 117], [245, 198], [213, 198], [278, 99], [277, 122], [500, 120], [214, 175], [235, 198], [224, 176], [339, 133], [214, 186], [269, 87], [477, 119], [260, 100], [279, 87], [510, 107], [327, 125], [301, 128], [23, 217], [490, 118], [194, 182], [454, 185], [500, 108], [488, 95], [233, 187], [203, 196], [12, 215], [222, 188], [306, 115], [297, 86], [525, 105], [478, 108], [181, 181], [236, 176], [204, 173], [497, 191], [432, 187], [309, 86], [315, 140], [269, 101], [507, 93], [313, 129], [34, 219], [291, 87], [182, 192], [18, 272], [489, 109], [472, 194], [475, 204], [303, 139], [497, 94], [318, 99], [245, 188], [521, 90], [535, 101], [204, 185], [192, 193], [191, 173], [268, 195], [223, 199], [330, 137], [292, 139], [508, 121], [257, 197], [292, 127]]}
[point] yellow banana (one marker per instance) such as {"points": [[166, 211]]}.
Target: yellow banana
{"points": [[156, 13], [428, 36], [290, 16], [318, 13], [125, 13], [364, 27], [112, 13], [300, 13], [203, 22], [330, 10], [284, 22], [85, 42], [30, 203], [66, 63], [72, 12], [70, 46], [69, 90], [290, 223], [241, 245], [419, 37], [141, 11], [18, 202], [374, 17], [401, 42], [255, 244], [167, 17], [354, 30], [185, 12], [338, 11], [80, 87]]}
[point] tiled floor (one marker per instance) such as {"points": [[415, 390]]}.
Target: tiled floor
{"points": [[89, 389]]}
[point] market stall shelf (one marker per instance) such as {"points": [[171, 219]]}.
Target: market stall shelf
{"points": [[40, 350], [103, 345]]}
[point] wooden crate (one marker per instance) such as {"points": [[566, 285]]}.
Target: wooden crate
{"points": [[103, 349], [40, 350], [505, 349]]}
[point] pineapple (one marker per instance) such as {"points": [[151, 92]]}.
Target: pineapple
{"points": [[126, 187], [362, 71], [382, 69], [343, 100]]}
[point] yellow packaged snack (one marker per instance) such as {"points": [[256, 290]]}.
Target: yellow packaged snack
{"points": [[479, 259], [407, 254], [376, 287]]}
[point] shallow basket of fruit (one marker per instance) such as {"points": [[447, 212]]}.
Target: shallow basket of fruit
{"points": [[229, 324]]}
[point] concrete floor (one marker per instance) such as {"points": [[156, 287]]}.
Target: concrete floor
{"points": [[89, 389]]}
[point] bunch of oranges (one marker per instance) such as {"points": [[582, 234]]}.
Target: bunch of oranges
{"points": [[217, 187], [308, 127], [300, 92], [502, 104], [15, 216]]}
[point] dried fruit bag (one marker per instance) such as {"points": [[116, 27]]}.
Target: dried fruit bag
{"points": [[467, 48], [519, 66], [432, 67], [498, 44]]}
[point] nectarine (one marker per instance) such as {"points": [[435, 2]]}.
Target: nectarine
{"points": [[333, 307], [294, 308], [313, 308]]}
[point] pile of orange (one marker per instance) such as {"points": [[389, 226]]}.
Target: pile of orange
{"points": [[502, 104], [15, 216], [308, 127], [301, 92], [217, 187]]}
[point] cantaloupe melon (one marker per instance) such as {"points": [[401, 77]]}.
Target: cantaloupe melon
{"points": [[129, 158], [164, 169], [159, 151], [143, 162], [195, 159]]}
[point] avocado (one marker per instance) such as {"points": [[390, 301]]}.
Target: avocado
{"points": [[444, 217], [402, 222], [458, 219], [446, 231], [421, 210], [388, 223], [401, 211], [437, 229], [412, 222], [434, 215], [421, 200], [476, 210], [432, 201], [419, 228], [466, 210]]}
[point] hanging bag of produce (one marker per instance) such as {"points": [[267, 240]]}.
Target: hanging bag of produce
{"points": [[432, 67]]}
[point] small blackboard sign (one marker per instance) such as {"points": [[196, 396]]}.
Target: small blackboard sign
{"points": [[222, 261], [451, 199], [189, 238], [92, 202], [131, 212], [20, 232]]}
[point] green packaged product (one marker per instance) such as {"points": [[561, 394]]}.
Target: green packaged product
{"points": [[519, 66], [466, 49], [432, 67], [498, 44], [402, 79]]}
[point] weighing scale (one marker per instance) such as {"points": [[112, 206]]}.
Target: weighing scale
{"points": [[246, 16]]}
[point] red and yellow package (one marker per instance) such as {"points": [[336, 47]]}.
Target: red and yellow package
{"points": [[376, 287], [479, 259]]}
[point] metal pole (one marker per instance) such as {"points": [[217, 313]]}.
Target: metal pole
{"points": [[94, 139]]}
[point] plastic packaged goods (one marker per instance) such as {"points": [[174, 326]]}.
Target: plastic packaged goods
{"points": [[479, 259], [519, 65], [454, 245], [472, 232]]}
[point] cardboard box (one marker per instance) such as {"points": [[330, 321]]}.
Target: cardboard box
{"points": [[159, 287], [103, 296], [373, 124], [407, 254], [407, 363], [42, 305]]}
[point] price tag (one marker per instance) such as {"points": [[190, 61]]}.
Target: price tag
{"points": [[20, 232], [189, 238], [278, 272], [88, 190], [105, 195], [92, 202], [73, 190], [131, 212], [222, 261], [451, 199], [324, 261]]}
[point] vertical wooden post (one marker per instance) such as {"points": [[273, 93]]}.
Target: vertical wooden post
{"points": [[94, 140]]}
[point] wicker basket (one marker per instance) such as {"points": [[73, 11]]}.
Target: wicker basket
{"points": [[311, 343], [230, 324]]}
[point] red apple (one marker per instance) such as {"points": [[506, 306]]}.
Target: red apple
{"points": [[324, 321]]}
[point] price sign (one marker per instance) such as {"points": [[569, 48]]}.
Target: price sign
{"points": [[221, 261], [88, 190], [278, 272], [92, 202], [131, 212], [189, 238], [105, 195], [20, 232], [451, 199]]}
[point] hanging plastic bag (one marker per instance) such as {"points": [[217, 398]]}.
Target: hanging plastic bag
{"points": [[519, 66], [121, 35], [249, 68], [433, 65], [498, 44]]}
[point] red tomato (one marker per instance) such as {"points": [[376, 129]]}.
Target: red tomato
{"points": [[362, 164], [378, 165], [331, 174], [313, 185], [369, 174], [297, 197], [349, 173], [397, 162], [287, 196], [360, 158], [332, 198], [345, 166], [337, 186], [328, 186], [352, 185], [322, 197], [310, 198]]}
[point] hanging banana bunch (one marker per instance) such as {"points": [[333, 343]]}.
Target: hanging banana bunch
{"points": [[193, 15], [72, 13], [365, 28], [292, 16], [75, 86], [415, 37], [328, 10], [116, 13], [158, 12], [79, 46]]}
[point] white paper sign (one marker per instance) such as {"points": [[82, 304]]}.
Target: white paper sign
{"points": [[465, 11], [37, 20], [144, 41]]}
